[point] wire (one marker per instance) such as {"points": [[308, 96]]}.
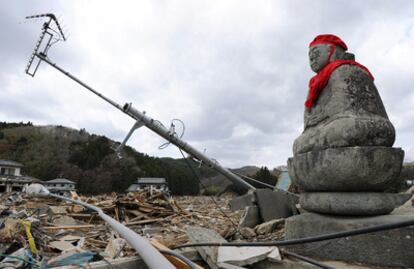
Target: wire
{"points": [[255, 180], [179, 256], [202, 184], [306, 259], [174, 133], [372, 229]]}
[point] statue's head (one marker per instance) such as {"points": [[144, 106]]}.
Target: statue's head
{"points": [[324, 49]]}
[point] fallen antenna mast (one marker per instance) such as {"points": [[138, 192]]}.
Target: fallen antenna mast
{"points": [[40, 54]]}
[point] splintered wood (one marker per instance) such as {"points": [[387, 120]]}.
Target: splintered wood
{"points": [[160, 217]]}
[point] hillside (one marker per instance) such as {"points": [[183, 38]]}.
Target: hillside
{"points": [[49, 152]]}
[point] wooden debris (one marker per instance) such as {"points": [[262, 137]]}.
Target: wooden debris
{"points": [[175, 261]]}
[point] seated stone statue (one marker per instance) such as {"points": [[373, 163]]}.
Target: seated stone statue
{"points": [[343, 108], [344, 159]]}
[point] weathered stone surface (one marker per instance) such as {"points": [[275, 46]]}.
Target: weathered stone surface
{"points": [[347, 169], [392, 248], [276, 204], [402, 198], [251, 217], [349, 203], [349, 112]]}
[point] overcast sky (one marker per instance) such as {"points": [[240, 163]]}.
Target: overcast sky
{"points": [[236, 72]]}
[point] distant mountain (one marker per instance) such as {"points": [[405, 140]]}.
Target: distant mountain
{"points": [[49, 152]]}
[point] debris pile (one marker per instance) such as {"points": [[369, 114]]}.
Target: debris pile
{"points": [[34, 228]]}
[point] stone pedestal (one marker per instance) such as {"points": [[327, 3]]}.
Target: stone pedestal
{"points": [[348, 180], [347, 169], [394, 248]]}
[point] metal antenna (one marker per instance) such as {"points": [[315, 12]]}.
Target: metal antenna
{"points": [[141, 119], [43, 47]]}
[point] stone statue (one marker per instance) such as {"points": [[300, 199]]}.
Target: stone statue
{"points": [[344, 158]]}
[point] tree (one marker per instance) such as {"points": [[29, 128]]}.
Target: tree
{"points": [[264, 175]]}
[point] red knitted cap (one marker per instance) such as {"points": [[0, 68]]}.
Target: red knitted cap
{"points": [[328, 39]]}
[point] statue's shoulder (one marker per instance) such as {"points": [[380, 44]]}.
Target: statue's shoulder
{"points": [[351, 72]]}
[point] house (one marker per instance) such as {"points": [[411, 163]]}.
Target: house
{"points": [[149, 183], [11, 178], [60, 186], [10, 168]]}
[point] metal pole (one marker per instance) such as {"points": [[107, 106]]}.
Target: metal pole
{"points": [[152, 257], [160, 130]]}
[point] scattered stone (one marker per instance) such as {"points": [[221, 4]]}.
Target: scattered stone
{"points": [[247, 232], [242, 256], [209, 254], [270, 226]]}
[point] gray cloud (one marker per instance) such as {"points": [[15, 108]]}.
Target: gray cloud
{"points": [[235, 72]]}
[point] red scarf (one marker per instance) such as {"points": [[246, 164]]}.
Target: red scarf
{"points": [[320, 80]]}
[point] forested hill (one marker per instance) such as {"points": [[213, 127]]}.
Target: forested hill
{"points": [[50, 152]]}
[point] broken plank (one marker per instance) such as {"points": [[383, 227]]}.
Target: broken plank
{"points": [[146, 221], [175, 261], [70, 227]]}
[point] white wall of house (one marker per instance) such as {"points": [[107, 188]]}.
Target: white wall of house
{"points": [[10, 171]]}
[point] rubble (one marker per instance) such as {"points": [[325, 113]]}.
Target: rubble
{"points": [[59, 228], [269, 226]]}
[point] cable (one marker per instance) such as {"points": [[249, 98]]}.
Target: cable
{"points": [[306, 259], [173, 133], [201, 183], [255, 180], [372, 229], [179, 256]]}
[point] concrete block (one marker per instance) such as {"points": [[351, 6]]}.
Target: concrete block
{"points": [[241, 202], [393, 248], [242, 256], [209, 254], [275, 204], [251, 217]]}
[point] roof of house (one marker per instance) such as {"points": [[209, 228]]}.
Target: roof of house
{"points": [[151, 180], [10, 163], [60, 180]]}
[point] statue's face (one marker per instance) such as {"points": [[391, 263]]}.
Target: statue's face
{"points": [[318, 56]]}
